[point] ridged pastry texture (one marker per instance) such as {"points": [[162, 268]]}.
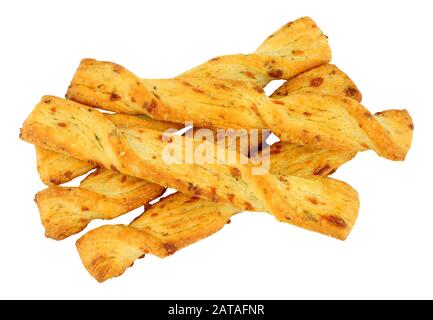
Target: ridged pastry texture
{"points": [[302, 117], [317, 114], [286, 159], [104, 194], [178, 220], [324, 205], [56, 168]]}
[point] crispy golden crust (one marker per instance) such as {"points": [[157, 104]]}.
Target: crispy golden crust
{"points": [[180, 220], [286, 158], [169, 225], [64, 203], [337, 123], [305, 161], [63, 211], [139, 154], [297, 46], [316, 113], [127, 121], [389, 132], [326, 79], [302, 117], [104, 194], [55, 168]]}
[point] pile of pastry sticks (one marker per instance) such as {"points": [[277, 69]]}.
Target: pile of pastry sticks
{"points": [[316, 114]]}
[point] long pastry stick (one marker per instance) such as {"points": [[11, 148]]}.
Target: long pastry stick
{"points": [[286, 159], [88, 135], [104, 194], [179, 220], [301, 117], [298, 46], [55, 168]]}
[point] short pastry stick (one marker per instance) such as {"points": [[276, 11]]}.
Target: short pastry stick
{"points": [[172, 223], [139, 153], [56, 168], [294, 48], [104, 194]]}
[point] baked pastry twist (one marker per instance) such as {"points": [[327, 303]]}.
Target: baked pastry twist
{"points": [[104, 194], [296, 47], [323, 205], [286, 159], [56, 168], [169, 225], [178, 220], [302, 117]]}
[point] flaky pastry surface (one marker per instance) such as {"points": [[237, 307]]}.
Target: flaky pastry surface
{"points": [[234, 185]]}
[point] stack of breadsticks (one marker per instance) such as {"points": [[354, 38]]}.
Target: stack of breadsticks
{"points": [[316, 114]]}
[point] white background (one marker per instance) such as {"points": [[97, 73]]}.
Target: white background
{"points": [[385, 46]]}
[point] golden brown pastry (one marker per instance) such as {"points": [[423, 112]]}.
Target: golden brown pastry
{"points": [[104, 194], [317, 114], [302, 117], [172, 223], [296, 47], [323, 205], [178, 220], [55, 168], [326, 79], [286, 159]]}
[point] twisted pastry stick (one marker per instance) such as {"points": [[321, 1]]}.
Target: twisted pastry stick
{"points": [[286, 159], [294, 48], [104, 194], [301, 117], [169, 225], [326, 79], [179, 220], [55, 168], [323, 205]]}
